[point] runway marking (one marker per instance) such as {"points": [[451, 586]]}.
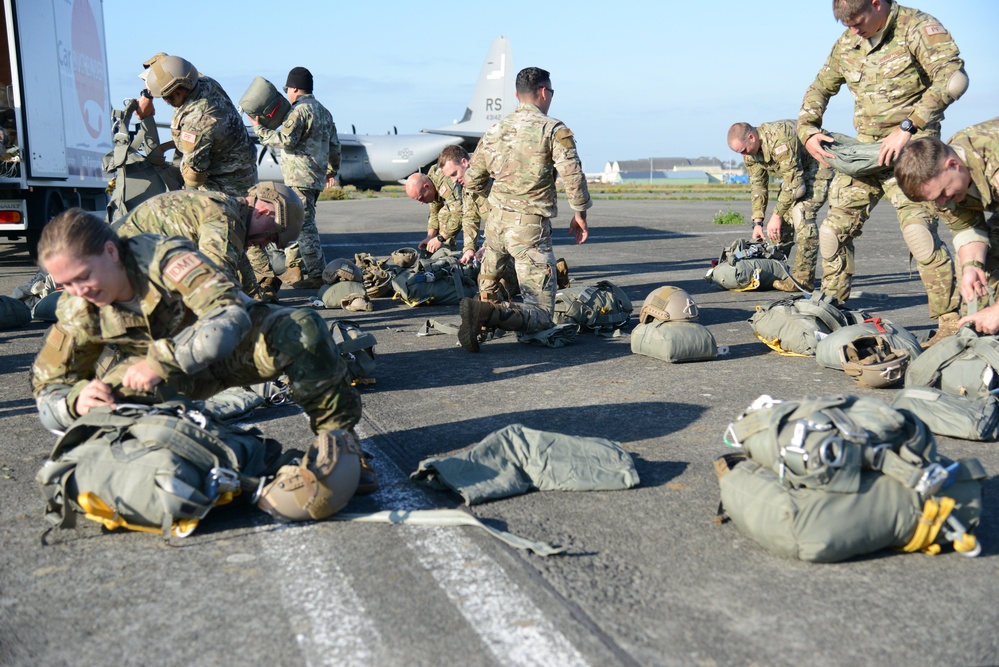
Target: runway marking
{"points": [[618, 237]]}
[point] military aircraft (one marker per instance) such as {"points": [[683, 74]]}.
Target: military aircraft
{"points": [[371, 161]]}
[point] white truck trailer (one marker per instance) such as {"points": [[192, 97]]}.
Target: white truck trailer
{"points": [[55, 113]]}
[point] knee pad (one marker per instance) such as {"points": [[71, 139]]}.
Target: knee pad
{"points": [[828, 242], [920, 241], [799, 192], [957, 84]]}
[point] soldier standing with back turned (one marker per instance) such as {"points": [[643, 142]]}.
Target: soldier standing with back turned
{"points": [[903, 69]]}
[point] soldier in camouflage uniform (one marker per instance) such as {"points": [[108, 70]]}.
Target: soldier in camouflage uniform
{"points": [[310, 160], [446, 199], [223, 227], [453, 163], [961, 178], [520, 155], [178, 326], [903, 69], [214, 151], [774, 149]]}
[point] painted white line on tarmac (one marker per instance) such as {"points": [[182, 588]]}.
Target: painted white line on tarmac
{"points": [[601, 237]]}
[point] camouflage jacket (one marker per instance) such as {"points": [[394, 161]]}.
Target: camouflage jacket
{"points": [[214, 151], [782, 155], [475, 208], [905, 75], [309, 144], [521, 153], [978, 148], [446, 208], [174, 287], [216, 222]]}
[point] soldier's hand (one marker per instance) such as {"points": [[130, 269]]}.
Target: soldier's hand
{"points": [[433, 245], [815, 149], [140, 377], [985, 321], [757, 234], [974, 283], [144, 108], [773, 227], [424, 242], [892, 145], [578, 227], [94, 395], [254, 121], [466, 257]]}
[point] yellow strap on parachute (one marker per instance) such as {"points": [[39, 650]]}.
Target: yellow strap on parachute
{"points": [[754, 283], [933, 517], [774, 345], [97, 510]]}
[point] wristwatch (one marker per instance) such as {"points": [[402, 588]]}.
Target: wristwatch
{"points": [[908, 126], [440, 237]]}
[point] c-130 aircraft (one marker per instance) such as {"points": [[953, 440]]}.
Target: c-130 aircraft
{"points": [[370, 160]]}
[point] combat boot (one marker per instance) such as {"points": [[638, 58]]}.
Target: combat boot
{"points": [[309, 282], [267, 289], [561, 273], [291, 276], [787, 285], [946, 326], [474, 314], [367, 483]]}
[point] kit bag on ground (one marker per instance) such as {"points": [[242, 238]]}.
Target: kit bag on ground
{"points": [[443, 281], [793, 326], [156, 469], [965, 364], [376, 277], [827, 350], [344, 294], [357, 349], [674, 341], [965, 417], [600, 307], [749, 265], [264, 101], [830, 478]]}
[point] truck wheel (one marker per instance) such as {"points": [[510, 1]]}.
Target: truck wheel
{"points": [[45, 207]]}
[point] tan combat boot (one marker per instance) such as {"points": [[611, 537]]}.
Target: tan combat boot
{"points": [[478, 317], [787, 285], [368, 481], [292, 275], [308, 282], [267, 290], [561, 273], [946, 326]]}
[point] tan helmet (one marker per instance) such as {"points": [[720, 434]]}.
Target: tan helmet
{"points": [[342, 269], [321, 485], [872, 362], [289, 211], [169, 73], [405, 257], [146, 65], [668, 304]]}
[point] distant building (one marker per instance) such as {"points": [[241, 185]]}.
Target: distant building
{"points": [[672, 170]]}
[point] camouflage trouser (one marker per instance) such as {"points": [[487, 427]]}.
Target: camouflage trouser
{"points": [[528, 240], [291, 341], [850, 203], [801, 216], [248, 274], [259, 263], [307, 252]]}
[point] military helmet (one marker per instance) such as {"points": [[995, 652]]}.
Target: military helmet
{"points": [[169, 73], [405, 257], [288, 209], [873, 362], [320, 485], [668, 304], [342, 269]]}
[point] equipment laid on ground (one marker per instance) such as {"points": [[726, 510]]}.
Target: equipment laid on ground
{"points": [[443, 281], [965, 364], [825, 479], [667, 330], [793, 326], [357, 350], [965, 417], [602, 307], [749, 265]]}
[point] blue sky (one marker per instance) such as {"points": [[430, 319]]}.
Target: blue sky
{"points": [[634, 80]]}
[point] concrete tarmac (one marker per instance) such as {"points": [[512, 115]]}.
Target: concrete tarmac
{"points": [[647, 578]]}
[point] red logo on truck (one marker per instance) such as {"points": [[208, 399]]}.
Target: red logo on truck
{"points": [[89, 70]]}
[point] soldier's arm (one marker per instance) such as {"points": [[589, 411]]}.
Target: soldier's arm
{"points": [[938, 56], [792, 174], [813, 105], [222, 319], [967, 225], [759, 187], [477, 178], [471, 222], [333, 162], [217, 243], [570, 169], [433, 220], [290, 133], [196, 139]]}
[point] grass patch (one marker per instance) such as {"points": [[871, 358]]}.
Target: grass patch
{"points": [[729, 218]]}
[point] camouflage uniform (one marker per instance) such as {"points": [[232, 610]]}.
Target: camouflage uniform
{"points": [[177, 290], [802, 191], [216, 222], [213, 148], [474, 207], [521, 153], [310, 155], [904, 74], [447, 209]]}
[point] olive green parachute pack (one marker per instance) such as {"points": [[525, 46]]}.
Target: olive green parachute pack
{"points": [[964, 417], [346, 295], [357, 349], [853, 158], [794, 325], [602, 307], [964, 364], [824, 479], [157, 469], [674, 342], [746, 266], [439, 281], [13, 313], [827, 350], [263, 100]]}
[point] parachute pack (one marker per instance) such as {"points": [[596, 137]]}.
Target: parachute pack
{"points": [[157, 469], [746, 266], [793, 326], [357, 350], [668, 330], [600, 307], [826, 479], [443, 281]]}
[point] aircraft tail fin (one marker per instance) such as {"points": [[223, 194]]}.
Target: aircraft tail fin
{"points": [[493, 96]]}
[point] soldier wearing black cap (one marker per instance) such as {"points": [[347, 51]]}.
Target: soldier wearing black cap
{"points": [[310, 161]]}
